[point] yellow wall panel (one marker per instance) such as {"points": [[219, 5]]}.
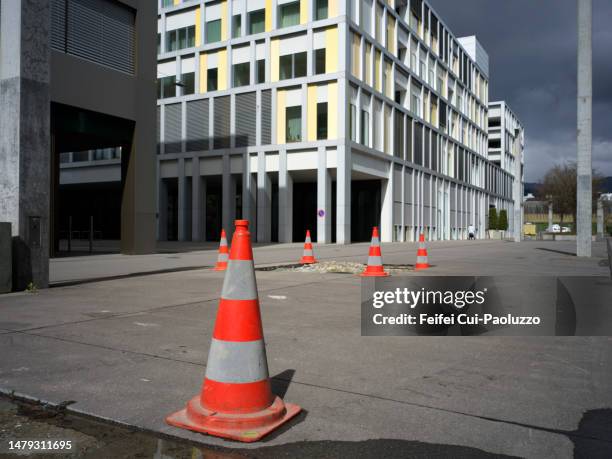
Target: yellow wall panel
{"points": [[268, 15], [224, 35], [368, 64], [331, 50], [280, 116], [198, 27], [332, 111], [391, 33], [176, 2], [311, 113], [274, 50], [222, 69], [303, 11], [332, 8], [203, 72]]}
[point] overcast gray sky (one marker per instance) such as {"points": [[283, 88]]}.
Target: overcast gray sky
{"points": [[532, 51]]}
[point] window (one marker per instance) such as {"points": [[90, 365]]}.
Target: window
{"points": [[353, 132], [293, 128], [319, 61], [321, 10], [242, 74], [180, 38], [213, 31], [188, 83], [292, 65], [236, 26], [159, 43], [257, 21], [322, 121], [494, 143], [166, 87], [167, 3], [211, 79], [365, 128], [289, 14], [260, 71]]}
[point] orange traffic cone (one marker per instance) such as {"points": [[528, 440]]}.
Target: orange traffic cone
{"points": [[223, 253], [308, 256], [375, 266], [421, 254], [236, 401]]}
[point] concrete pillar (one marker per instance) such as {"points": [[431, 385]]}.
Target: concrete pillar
{"points": [[285, 200], [600, 219], [196, 203], [584, 213], [264, 200], [138, 201], [386, 217], [25, 148], [182, 204], [343, 196], [324, 184], [550, 216]]}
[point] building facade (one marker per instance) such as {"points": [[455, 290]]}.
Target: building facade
{"points": [[506, 154], [75, 75], [328, 115]]}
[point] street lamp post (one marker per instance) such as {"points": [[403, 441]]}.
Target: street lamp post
{"points": [[584, 211]]}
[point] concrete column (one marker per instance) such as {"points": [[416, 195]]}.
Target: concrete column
{"points": [[196, 205], [285, 200], [182, 211], [584, 111], [386, 217], [324, 184], [25, 147], [264, 200], [343, 196], [600, 219], [138, 200]]}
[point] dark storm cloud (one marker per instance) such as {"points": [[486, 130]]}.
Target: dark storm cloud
{"points": [[532, 51]]}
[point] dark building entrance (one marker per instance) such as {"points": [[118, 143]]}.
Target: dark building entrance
{"points": [[365, 208]]}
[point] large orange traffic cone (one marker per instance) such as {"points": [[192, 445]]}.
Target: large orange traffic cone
{"points": [[223, 253], [375, 266], [421, 262], [236, 400], [308, 255]]}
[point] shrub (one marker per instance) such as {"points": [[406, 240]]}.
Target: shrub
{"points": [[502, 223], [492, 218]]}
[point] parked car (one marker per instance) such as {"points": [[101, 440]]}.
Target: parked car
{"points": [[566, 229], [555, 228]]}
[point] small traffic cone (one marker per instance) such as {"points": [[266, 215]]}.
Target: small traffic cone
{"points": [[421, 262], [308, 256], [375, 266], [236, 401], [223, 253]]}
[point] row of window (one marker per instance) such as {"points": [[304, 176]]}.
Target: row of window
{"points": [[290, 66], [288, 15]]}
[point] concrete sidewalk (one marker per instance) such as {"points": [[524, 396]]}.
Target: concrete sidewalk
{"points": [[133, 350]]}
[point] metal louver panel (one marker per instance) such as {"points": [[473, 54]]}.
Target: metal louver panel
{"points": [[172, 128], [58, 25], [197, 125], [101, 31], [266, 117], [222, 122], [246, 124]]}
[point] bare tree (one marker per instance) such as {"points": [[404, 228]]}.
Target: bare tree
{"points": [[559, 186]]}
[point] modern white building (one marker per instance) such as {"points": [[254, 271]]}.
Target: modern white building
{"points": [[506, 151]]}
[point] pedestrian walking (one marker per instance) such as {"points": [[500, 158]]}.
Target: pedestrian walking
{"points": [[471, 232]]}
